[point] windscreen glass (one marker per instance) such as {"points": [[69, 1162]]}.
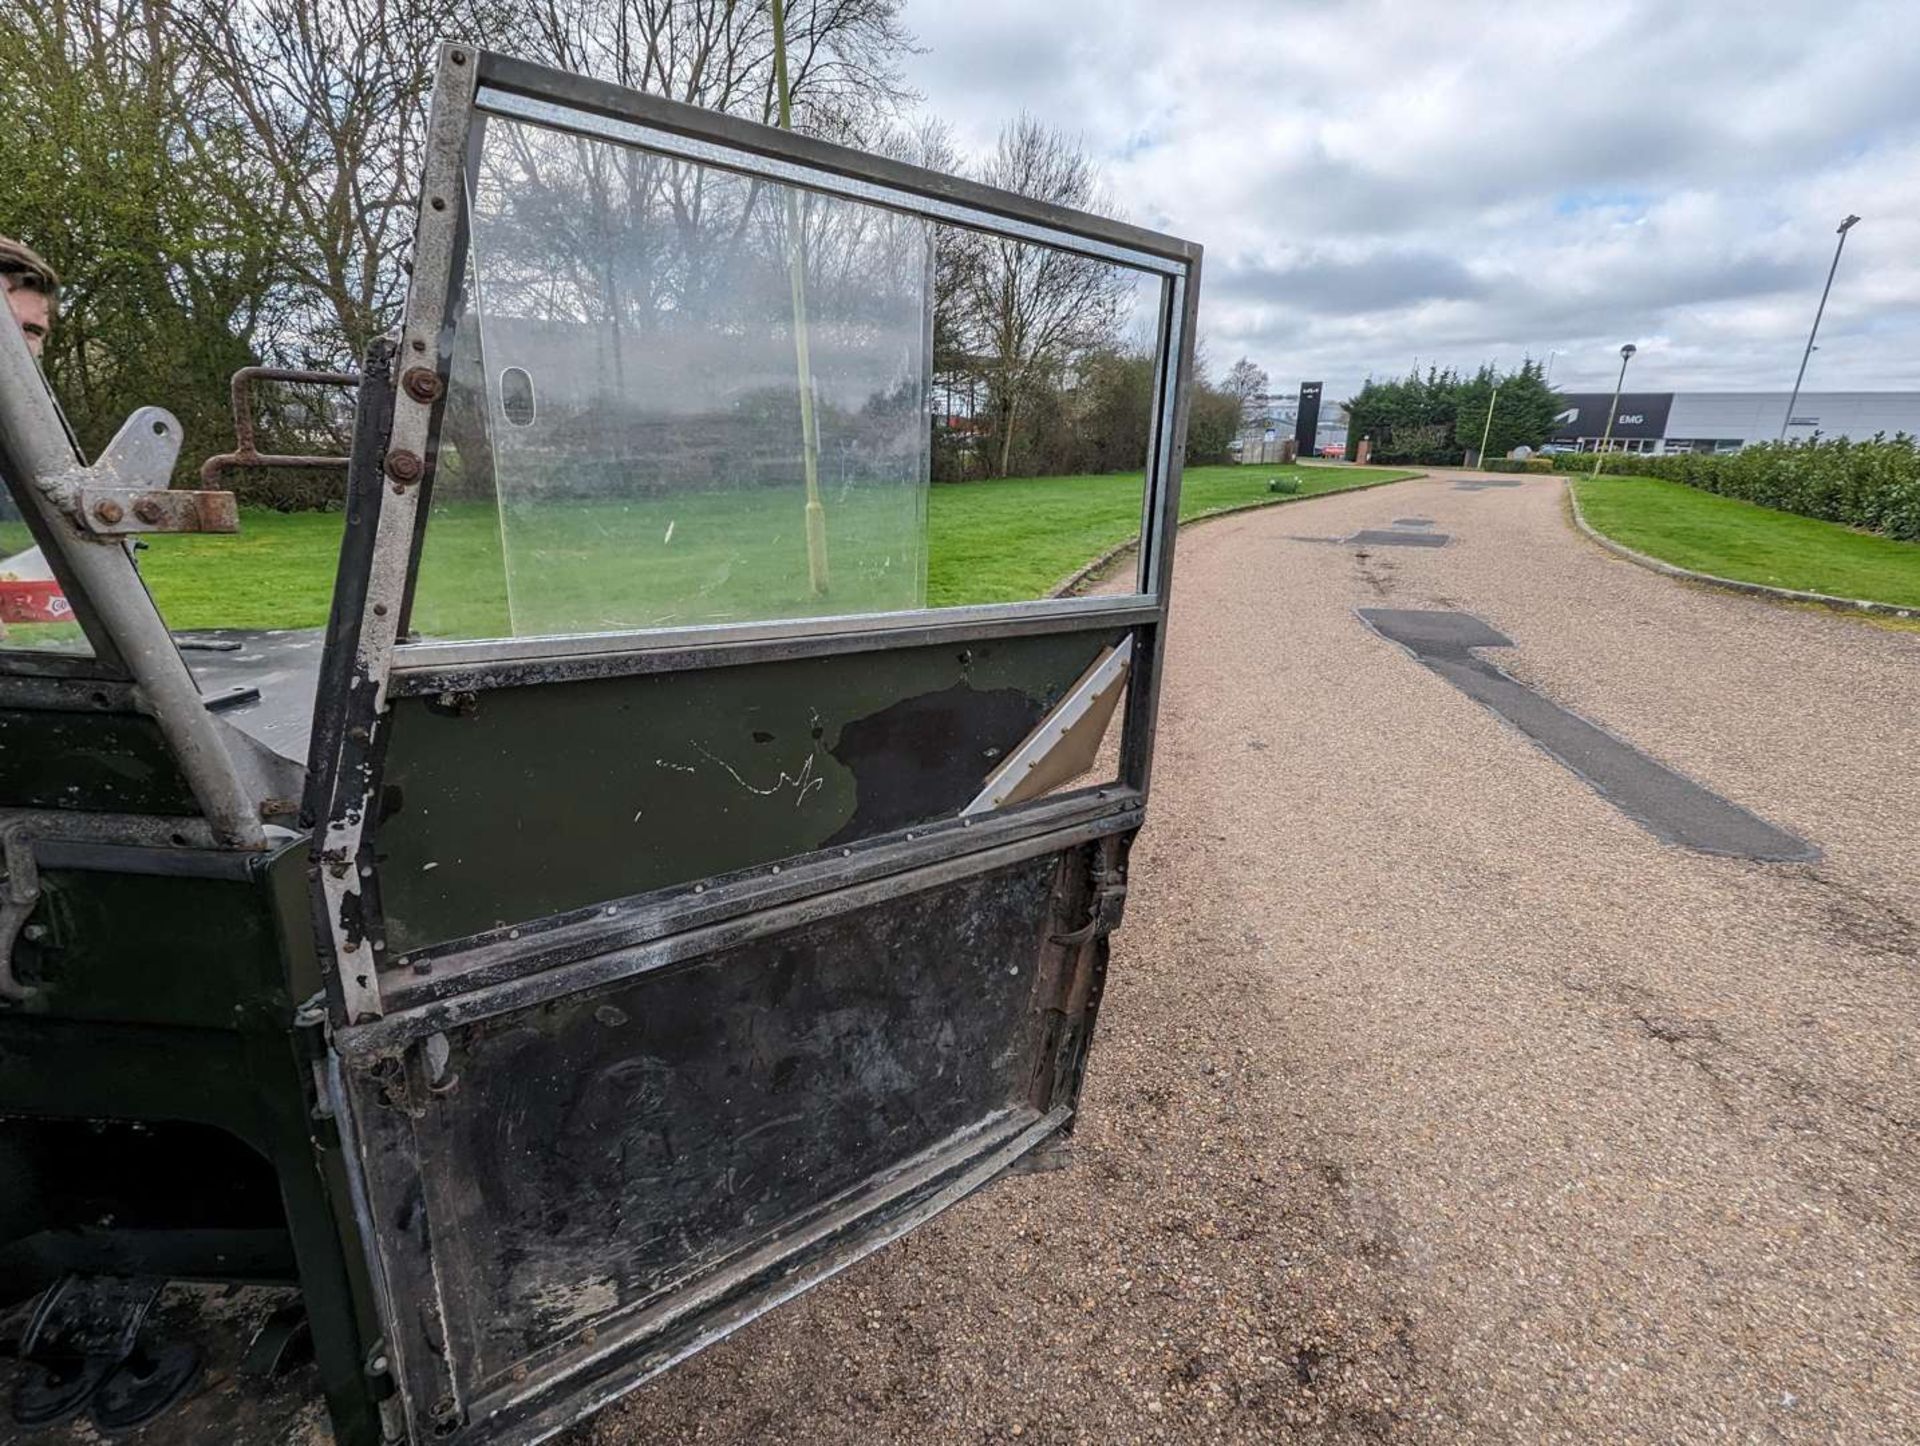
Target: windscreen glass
{"points": [[684, 396]]}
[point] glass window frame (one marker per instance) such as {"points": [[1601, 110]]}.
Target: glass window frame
{"points": [[496, 86]]}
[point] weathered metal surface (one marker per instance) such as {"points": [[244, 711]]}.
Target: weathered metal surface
{"points": [[518, 968], [108, 762], [441, 667], [124, 512], [283, 667], [346, 890], [140, 455], [559, 1177], [155, 1086], [245, 451], [41, 468], [511, 805]]}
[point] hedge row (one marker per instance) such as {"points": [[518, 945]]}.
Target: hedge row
{"points": [[1873, 485], [1510, 464]]}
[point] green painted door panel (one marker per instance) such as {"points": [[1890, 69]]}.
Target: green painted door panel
{"points": [[97, 762], [519, 803]]}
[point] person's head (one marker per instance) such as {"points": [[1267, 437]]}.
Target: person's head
{"points": [[32, 289]]}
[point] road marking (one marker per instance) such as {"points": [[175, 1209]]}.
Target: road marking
{"points": [[1667, 804]]}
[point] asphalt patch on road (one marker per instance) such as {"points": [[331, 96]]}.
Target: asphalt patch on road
{"points": [[1378, 537], [1482, 484], [1413, 522], [1668, 805]]}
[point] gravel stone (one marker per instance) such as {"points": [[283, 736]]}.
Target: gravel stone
{"points": [[1434, 1099]]}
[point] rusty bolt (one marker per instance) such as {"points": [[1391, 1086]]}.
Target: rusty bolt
{"points": [[421, 383], [108, 511], [147, 510], [404, 466]]}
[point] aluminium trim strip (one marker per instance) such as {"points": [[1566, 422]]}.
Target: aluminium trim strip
{"points": [[1044, 739], [901, 628]]}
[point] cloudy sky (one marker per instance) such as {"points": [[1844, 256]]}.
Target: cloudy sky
{"points": [[1380, 181]]}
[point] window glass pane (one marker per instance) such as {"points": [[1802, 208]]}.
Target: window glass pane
{"points": [[683, 396], [705, 392]]}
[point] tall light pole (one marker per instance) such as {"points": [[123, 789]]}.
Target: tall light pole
{"points": [[1839, 246], [1489, 426], [1626, 355]]}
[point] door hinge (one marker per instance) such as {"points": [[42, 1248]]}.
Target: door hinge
{"points": [[1104, 910]]}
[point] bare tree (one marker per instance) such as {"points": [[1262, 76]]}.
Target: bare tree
{"points": [[1247, 383], [843, 56], [1024, 312]]}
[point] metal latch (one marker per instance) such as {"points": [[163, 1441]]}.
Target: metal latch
{"points": [[1103, 914]]}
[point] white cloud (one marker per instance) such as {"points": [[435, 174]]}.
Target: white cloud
{"points": [[1383, 180]]}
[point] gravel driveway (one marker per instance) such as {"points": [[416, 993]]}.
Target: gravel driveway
{"points": [[1436, 1099]]}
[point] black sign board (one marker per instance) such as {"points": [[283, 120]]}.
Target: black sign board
{"points": [[1584, 414], [1308, 425]]}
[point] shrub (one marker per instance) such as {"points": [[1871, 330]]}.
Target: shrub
{"points": [[1873, 484], [1519, 464], [1286, 485]]}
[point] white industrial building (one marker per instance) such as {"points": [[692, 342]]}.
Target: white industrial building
{"points": [[1727, 421]]}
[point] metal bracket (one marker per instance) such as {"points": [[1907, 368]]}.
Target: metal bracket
{"points": [[1103, 914], [125, 491], [18, 896], [119, 512]]}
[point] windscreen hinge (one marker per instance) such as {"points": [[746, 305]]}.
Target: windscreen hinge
{"points": [[125, 493]]}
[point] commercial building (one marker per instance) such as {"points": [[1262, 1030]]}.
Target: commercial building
{"points": [[1728, 421], [1276, 416]]}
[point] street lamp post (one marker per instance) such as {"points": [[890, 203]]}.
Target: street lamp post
{"points": [[1484, 431], [1606, 442], [1845, 226]]}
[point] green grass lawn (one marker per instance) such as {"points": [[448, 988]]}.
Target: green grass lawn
{"points": [[698, 558], [1729, 538]]}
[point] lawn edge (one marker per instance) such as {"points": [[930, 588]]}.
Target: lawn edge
{"points": [[1729, 584], [1087, 573]]}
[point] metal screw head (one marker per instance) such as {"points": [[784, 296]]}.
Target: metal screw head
{"points": [[421, 383], [147, 510], [108, 511], [404, 466]]}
